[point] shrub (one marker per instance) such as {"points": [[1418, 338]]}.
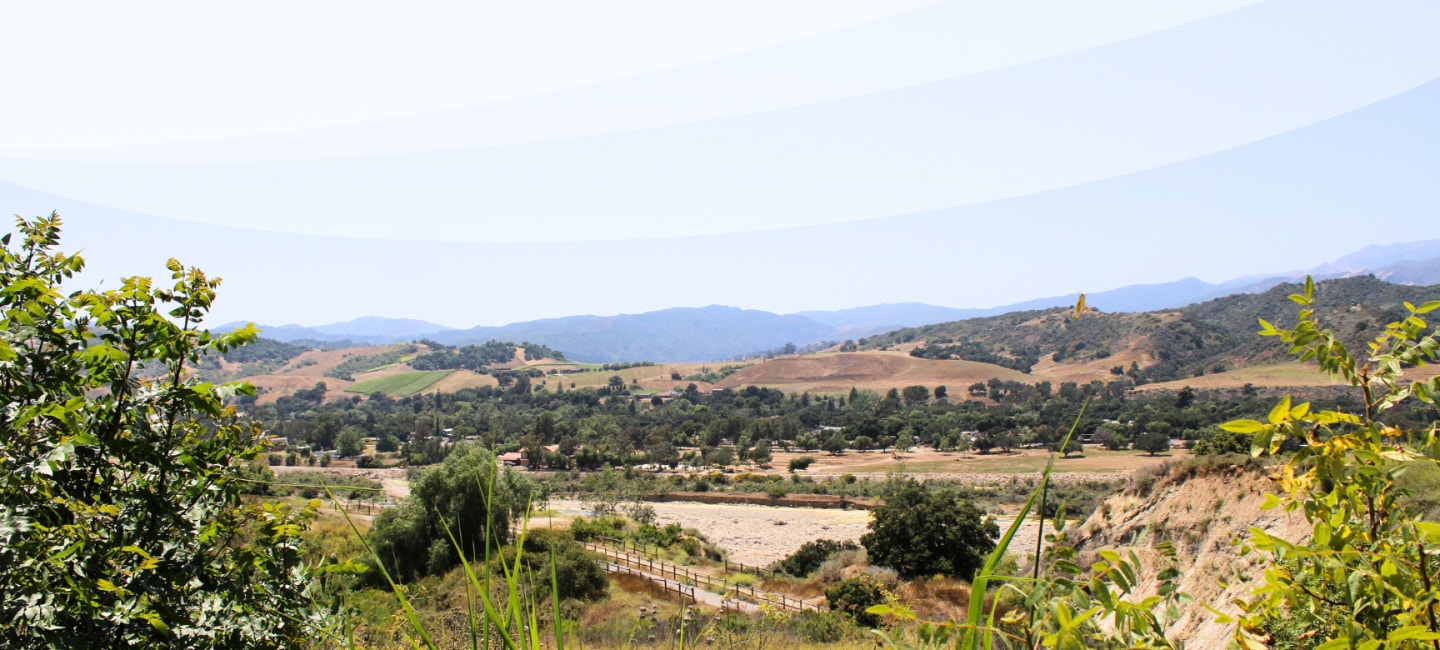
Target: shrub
{"points": [[806, 559], [853, 596], [578, 574], [801, 463], [822, 627]]}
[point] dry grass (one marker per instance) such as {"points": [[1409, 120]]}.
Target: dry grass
{"points": [[839, 372]]}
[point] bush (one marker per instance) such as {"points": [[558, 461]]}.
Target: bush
{"points": [[806, 559], [578, 573], [366, 462], [854, 596], [801, 463], [822, 627], [920, 532]]}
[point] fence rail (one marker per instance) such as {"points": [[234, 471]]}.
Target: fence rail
{"points": [[650, 549], [710, 583], [676, 587]]}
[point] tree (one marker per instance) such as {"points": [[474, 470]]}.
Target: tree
{"points": [[863, 443], [941, 393], [905, 441], [921, 532], [121, 519], [351, 442], [722, 457], [1153, 443], [1073, 447], [835, 444], [465, 492], [760, 455], [916, 395], [801, 463]]}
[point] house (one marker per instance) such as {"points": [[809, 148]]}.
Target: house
{"points": [[514, 459]]}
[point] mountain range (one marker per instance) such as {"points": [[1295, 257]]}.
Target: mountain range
{"points": [[719, 332]]}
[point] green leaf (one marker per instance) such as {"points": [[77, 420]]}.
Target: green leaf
{"points": [[1261, 443], [1428, 307], [1281, 411], [1243, 426]]}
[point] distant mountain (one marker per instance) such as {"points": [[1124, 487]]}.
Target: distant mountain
{"points": [[406, 328], [862, 321], [716, 333], [368, 329], [681, 334]]}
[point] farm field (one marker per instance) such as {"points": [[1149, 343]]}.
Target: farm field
{"points": [[400, 384]]}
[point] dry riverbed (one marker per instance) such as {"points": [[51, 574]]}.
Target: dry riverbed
{"points": [[762, 534]]}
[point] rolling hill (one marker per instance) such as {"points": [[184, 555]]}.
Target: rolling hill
{"points": [[1213, 336]]}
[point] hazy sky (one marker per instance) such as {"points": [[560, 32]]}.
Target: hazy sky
{"points": [[484, 163]]}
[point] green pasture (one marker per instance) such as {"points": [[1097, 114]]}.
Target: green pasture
{"points": [[399, 385]]}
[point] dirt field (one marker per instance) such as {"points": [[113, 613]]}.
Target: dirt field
{"points": [[839, 372], [928, 461]]}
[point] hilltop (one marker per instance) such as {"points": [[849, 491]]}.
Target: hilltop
{"points": [[1209, 337]]}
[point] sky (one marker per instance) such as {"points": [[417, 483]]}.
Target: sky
{"points": [[486, 163]]}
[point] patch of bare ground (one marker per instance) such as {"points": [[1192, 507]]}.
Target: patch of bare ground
{"points": [[926, 460], [839, 372], [393, 478], [462, 379], [1199, 507]]}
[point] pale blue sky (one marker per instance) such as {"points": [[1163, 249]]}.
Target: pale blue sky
{"points": [[476, 164]]}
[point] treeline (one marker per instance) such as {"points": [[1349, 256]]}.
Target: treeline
{"points": [[608, 427], [479, 357], [359, 363], [1023, 358]]}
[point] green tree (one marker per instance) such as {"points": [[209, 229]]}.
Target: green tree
{"points": [[466, 493], [1153, 443], [916, 395], [760, 454], [835, 444], [121, 519], [350, 442], [905, 441], [921, 532]]}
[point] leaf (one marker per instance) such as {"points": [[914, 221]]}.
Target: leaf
{"points": [[1261, 443], [1281, 411], [1428, 307], [1243, 426]]}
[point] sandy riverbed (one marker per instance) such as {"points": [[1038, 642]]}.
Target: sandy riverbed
{"points": [[752, 534]]}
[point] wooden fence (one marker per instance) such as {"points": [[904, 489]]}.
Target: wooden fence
{"points": [[708, 582]]}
